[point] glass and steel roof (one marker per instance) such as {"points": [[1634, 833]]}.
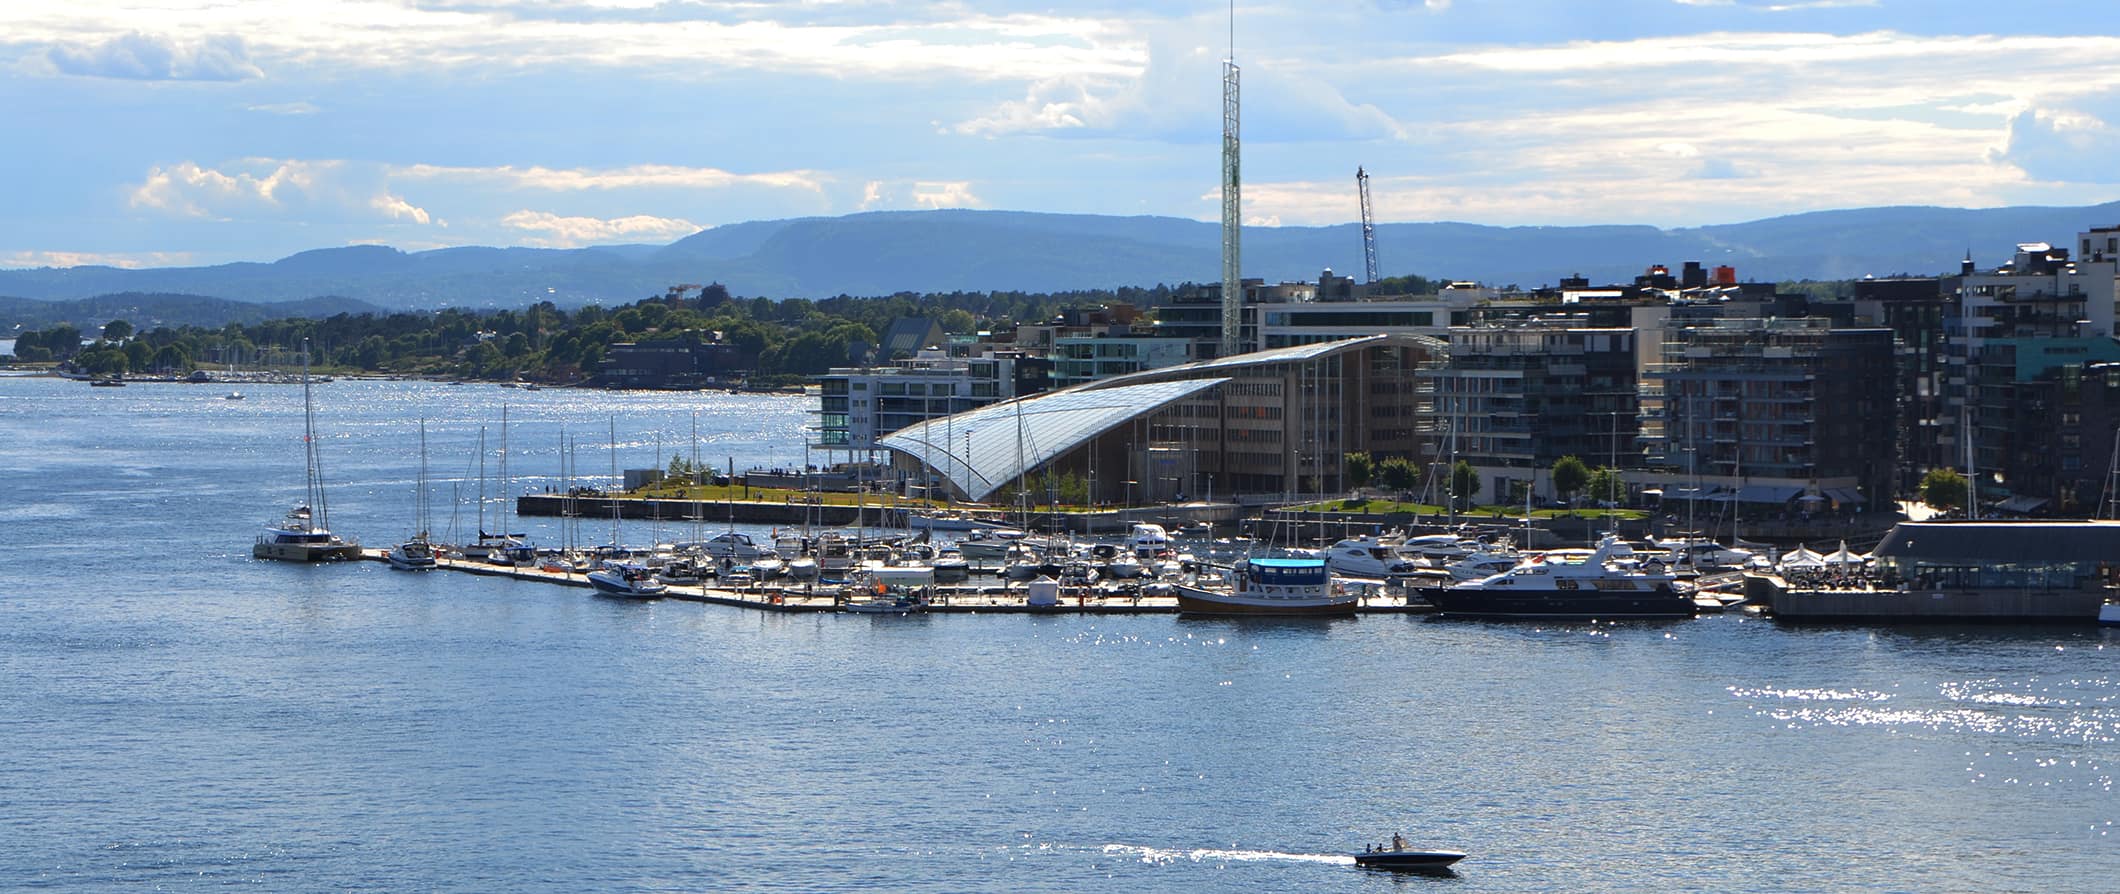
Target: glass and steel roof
{"points": [[1291, 354], [986, 448]]}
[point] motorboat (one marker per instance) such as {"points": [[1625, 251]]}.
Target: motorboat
{"points": [[232, 395], [1486, 561], [630, 581], [1436, 547], [988, 544], [943, 520], [2109, 615], [416, 554], [1702, 552], [892, 590], [735, 545], [950, 566], [1401, 858], [683, 573], [1268, 586], [1365, 556], [768, 567], [1148, 541], [1608, 582]]}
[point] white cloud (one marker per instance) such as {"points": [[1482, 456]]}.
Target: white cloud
{"points": [[631, 177], [558, 231], [264, 188], [284, 108], [128, 260], [701, 41], [136, 56], [2064, 143], [878, 195]]}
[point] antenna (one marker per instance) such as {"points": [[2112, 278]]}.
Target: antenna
{"points": [[1369, 228], [1232, 200]]}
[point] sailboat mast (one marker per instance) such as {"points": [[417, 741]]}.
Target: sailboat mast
{"points": [[481, 482], [319, 514]]}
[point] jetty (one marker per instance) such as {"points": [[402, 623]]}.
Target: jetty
{"points": [[974, 597]]}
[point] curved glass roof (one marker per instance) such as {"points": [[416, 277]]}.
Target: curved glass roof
{"points": [[981, 450]]}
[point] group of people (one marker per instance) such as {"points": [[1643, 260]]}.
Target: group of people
{"points": [[1398, 843]]}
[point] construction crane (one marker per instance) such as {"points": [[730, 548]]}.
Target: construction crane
{"points": [[1369, 228]]}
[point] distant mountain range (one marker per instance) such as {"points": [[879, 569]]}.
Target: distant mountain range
{"points": [[882, 253], [150, 310]]}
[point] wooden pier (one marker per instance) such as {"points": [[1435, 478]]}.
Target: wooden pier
{"points": [[968, 598]]}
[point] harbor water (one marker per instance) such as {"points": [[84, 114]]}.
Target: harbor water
{"points": [[177, 716]]}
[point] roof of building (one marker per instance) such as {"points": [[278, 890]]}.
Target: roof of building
{"points": [[1999, 542], [984, 449], [1294, 354], [906, 336]]}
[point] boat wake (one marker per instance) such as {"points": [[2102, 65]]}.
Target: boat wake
{"points": [[1159, 856]]}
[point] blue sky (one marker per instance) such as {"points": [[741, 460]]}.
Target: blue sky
{"points": [[203, 131]]}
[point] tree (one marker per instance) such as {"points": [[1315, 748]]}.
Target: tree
{"points": [[1606, 486], [1360, 468], [1399, 473], [117, 330], [1464, 481], [1943, 489], [1569, 476]]}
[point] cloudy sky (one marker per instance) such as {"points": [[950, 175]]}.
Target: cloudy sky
{"points": [[155, 132]]}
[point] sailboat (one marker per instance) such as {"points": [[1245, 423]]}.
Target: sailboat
{"points": [[418, 553], [305, 534]]}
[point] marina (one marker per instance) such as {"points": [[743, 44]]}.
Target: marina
{"points": [[202, 717]]}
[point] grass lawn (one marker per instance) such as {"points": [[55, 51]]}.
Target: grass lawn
{"points": [[1393, 507]]}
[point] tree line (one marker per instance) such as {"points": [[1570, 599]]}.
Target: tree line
{"points": [[794, 338]]}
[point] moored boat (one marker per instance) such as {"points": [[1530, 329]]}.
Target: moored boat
{"points": [[631, 581], [1606, 583], [412, 555], [304, 535], [1269, 587]]}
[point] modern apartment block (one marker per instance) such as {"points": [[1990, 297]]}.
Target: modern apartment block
{"points": [[1775, 411], [1512, 400], [858, 406]]}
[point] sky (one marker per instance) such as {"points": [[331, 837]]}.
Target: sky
{"points": [[178, 132]]}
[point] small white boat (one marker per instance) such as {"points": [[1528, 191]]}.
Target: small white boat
{"points": [[892, 590], [413, 555], [232, 395], [2109, 615], [631, 581]]}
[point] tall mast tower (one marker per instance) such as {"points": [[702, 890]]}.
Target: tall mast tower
{"points": [[1232, 202], [1369, 228]]}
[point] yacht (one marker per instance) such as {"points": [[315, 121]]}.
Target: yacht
{"points": [[735, 545], [302, 537], [631, 581], [1269, 586], [1367, 557], [416, 554], [1608, 582]]}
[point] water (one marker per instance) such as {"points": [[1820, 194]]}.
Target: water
{"points": [[174, 715]]}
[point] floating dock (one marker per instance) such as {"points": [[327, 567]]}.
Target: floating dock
{"points": [[968, 598]]}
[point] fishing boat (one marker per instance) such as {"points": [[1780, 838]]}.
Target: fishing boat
{"points": [[1608, 582], [1282, 586], [630, 581], [304, 535]]}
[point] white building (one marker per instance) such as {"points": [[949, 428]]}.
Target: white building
{"points": [[858, 406]]}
